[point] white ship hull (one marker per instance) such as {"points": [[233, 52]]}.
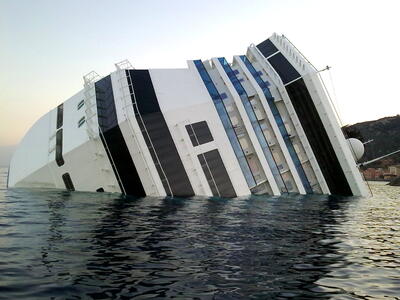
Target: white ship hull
{"points": [[262, 124]]}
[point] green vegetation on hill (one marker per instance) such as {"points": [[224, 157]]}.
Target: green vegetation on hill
{"points": [[385, 134]]}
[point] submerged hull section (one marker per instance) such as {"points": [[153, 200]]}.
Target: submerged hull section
{"points": [[261, 124]]}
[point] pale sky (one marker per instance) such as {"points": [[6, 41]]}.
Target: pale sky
{"points": [[46, 46]]}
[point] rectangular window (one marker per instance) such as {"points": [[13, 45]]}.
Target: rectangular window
{"points": [[284, 68], [216, 174], [199, 133], [267, 48], [80, 104], [68, 182], [81, 122], [60, 112], [208, 175], [59, 140]]}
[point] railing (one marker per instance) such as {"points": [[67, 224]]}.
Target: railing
{"points": [[254, 122], [130, 101], [226, 122], [279, 122], [90, 104], [92, 128], [292, 51]]}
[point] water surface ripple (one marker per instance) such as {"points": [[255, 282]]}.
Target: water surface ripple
{"points": [[61, 245]]}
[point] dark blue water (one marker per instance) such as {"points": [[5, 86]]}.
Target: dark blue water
{"points": [[61, 245]]}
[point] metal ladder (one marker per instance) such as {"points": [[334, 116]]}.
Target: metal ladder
{"points": [[123, 68], [92, 128]]}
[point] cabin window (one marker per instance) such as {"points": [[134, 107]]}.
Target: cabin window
{"points": [[60, 112], [80, 104], [284, 68], [59, 145], [216, 174], [199, 133], [68, 182], [81, 121]]}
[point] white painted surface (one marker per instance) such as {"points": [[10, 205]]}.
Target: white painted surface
{"points": [[33, 163], [184, 99], [31, 153]]}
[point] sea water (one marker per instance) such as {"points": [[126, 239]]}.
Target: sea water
{"points": [[74, 245]]}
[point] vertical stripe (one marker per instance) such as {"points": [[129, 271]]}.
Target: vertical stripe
{"points": [[318, 138], [157, 135], [114, 142], [312, 124]]}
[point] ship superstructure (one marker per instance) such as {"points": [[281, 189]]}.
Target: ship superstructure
{"points": [[261, 124]]}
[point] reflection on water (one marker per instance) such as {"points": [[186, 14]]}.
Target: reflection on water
{"points": [[62, 245]]}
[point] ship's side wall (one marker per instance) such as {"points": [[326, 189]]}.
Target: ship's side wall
{"points": [[31, 154], [262, 124], [133, 136], [34, 162], [37, 148], [316, 115], [184, 101]]}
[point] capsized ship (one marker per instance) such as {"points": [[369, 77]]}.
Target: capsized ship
{"points": [[262, 124]]}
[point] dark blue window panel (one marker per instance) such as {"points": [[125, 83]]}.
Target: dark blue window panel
{"points": [[318, 138], [60, 115], [160, 136], [59, 147], [199, 133], [218, 179], [114, 142], [267, 48], [255, 124], [68, 182], [106, 110], [226, 122], [279, 122], [283, 67]]}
